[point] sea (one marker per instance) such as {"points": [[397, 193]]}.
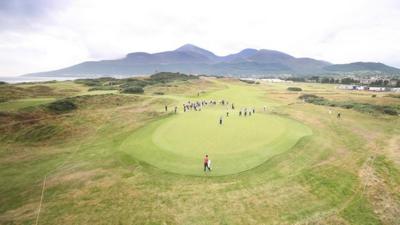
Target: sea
{"points": [[22, 79]]}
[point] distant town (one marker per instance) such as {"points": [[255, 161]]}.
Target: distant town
{"points": [[373, 83]]}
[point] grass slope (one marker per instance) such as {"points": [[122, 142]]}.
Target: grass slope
{"points": [[23, 103]]}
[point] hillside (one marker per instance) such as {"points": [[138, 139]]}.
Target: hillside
{"points": [[195, 60], [363, 66]]}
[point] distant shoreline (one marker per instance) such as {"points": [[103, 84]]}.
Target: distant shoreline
{"points": [[22, 79]]}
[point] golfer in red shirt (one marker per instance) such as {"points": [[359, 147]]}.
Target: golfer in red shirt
{"points": [[206, 163]]}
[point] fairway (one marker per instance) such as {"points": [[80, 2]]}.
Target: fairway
{"points": [[179, 142]]}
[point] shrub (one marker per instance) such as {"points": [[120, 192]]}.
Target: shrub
{"points": [[158, 93], [164, 77], [248, 81], [374, 96], [135, 83], [60, 106], [294, 89], [390, 111], [133, 90], [347, 105], [310, 98], [90, 83], [3, 83], [103, 88]]}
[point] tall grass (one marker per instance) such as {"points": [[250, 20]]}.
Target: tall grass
{"points": [[361, 107]]}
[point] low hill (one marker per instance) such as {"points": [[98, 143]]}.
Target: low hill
{"points": [[363, 66]]}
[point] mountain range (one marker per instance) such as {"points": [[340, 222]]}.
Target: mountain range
{"points": [[194, 60]]}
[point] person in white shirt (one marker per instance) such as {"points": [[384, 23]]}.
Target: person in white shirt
{"points": [[209, 165]]}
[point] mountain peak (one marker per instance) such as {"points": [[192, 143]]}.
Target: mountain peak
{"points": [[197, 50], [247, 52], [188, 47]]}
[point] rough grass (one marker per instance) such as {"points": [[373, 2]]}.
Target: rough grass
{"points": [[39, 90], [38, 133], [339, 175], [24, 103], [361, 107]]}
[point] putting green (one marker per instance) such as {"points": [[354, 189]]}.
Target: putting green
{"points": [[178, 143]]}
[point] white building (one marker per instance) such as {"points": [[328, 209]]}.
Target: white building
{"points": [[361, 88], [276, 81], [395, 89], [347, 87], [379, 89]]}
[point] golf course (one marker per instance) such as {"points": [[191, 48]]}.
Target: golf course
{"points": [[131, 151], [178, 143]]}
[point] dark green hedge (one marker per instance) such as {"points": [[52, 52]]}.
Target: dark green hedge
{"points": [[133, 90], [294, 89], [60, 106]]}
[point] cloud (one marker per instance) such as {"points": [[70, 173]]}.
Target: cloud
{"points": [[23, 14], [37, 35]]}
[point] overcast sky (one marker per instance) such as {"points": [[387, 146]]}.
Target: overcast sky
{"points": [[39, 35]]}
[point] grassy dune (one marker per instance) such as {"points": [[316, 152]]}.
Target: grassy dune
{"points": [[346, 172], [24, 103]]}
